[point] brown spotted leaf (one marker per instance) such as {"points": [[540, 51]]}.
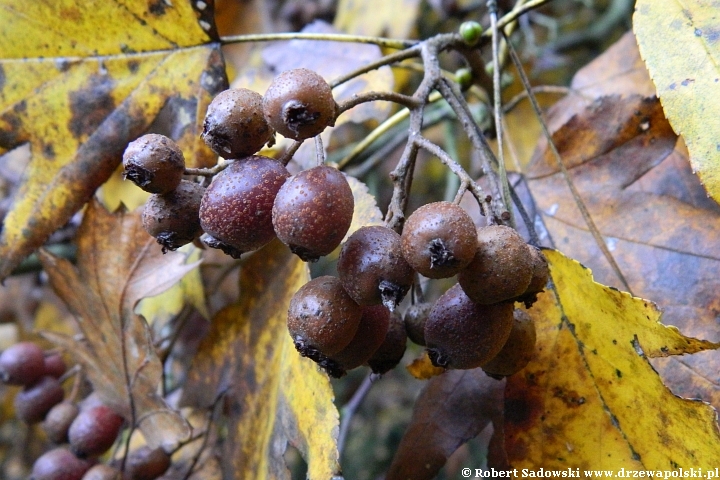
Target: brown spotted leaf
{"points": [[274, 397], [653, 213], [452, 408], [80, 80], [119, 264]]}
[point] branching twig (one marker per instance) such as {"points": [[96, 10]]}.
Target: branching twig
{"points": [[332, 37]]}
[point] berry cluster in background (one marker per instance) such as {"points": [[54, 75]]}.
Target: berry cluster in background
{"points": [[345, 321]]}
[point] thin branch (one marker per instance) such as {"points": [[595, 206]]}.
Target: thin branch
{"points": [[384, 61], [332, 37], [554, 89], [566, 175], [516, 13], [351, 408], [404, 100]]}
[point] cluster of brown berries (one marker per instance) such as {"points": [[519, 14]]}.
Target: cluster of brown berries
{"points": [[82, 432]]}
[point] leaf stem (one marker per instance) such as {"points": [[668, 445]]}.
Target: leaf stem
{"points": [[332, 37]]}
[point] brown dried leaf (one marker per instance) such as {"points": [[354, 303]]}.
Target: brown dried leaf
{"points": [[452, 408], [118, 264]]}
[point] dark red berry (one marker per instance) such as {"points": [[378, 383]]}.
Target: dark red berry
{"points": [[392, 349], [173, 218], [102, 471], [94, 431], [370, 334], [322, 318], [236, 210], [313, 211], [372, 268], [55, 365], [462, 334], [22, 363], [59, 464], [154, 163], [58, 420], [299, 104], [146, 463], [439, 239], [235, 125], [35, 401], [501, 268]]}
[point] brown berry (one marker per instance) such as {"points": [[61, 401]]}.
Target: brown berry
{"points": [[154, 163], [59, 464], [58, 420], [94, 431], [439, 239], [102, 471], [501, 268], [235, 125], [22, 363], [415, 318], [518, 349], [392, 349], [371, 333], [313, 211], [463, 334], [146, 463], [322, 318], [299, 104], [35, 401], [173, 219]]}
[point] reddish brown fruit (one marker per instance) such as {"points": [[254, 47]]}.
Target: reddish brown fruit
{"points": [[36, 400], [146, 463], [154, 163], [94, 431], [518, 349], [372, 268], [55, 365], [173, 218], [299, 104], [439, 239], [415, 318], [102, 471], [322, 318], [501, 269], [313, 211], [22, 363], [58, 420], [392, 349], [236, 209], [463, 334], [540, 277], [59, 464], [235, 125], [371, 333]]}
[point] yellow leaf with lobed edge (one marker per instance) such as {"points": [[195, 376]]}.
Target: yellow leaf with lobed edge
{"points": [[680, 44], [80, 80], [249, 357], [589, 398]]}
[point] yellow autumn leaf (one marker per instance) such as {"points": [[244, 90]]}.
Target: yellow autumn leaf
{"points": [[249, 357], [590, 399], [80, 80], [680, 45]]}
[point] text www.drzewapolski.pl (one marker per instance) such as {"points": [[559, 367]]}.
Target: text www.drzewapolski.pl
{"points": [[707, 473]]}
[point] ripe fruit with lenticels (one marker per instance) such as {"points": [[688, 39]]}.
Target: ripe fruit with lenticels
{"points": [[501, 268], [154, 163], [235, 125], [299, 104], [439, 239], [236, 209], [313, 211], [322, 318], [22, 363], [173, 218], [372, 268], [463, 334]]}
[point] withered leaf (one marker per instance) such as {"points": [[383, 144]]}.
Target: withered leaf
{"points": [[82, 79], [118, 264]]}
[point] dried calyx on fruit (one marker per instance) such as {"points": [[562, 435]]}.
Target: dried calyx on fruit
{"points": [[235, 125], [299, 104], [154, 163], [313, 211], [372, 268], [173, 218], [236, 209]]}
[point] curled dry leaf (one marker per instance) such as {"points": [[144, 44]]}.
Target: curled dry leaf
{"points": [[590, 399], [119, 264], [270, 390], [78, 98]]}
